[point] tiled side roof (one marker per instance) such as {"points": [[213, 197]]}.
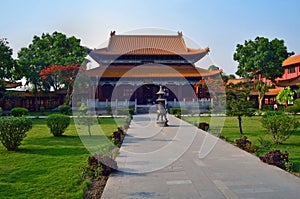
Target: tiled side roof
{"points": [[236, 81], [291, 60], [271, 92], [8, 84], [289, 82], [150, 70], [148, 45]]}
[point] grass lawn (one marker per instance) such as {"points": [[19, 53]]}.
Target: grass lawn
{"points": [[46, 166], [252, 128]]}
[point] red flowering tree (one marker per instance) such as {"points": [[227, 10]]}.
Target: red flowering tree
{"points": [[44, 51], [58, 77]]}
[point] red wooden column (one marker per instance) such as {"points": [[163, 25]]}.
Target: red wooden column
{"points": [[99, 93]]}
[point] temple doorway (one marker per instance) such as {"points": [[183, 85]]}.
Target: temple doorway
{"points": [[146, 94]]}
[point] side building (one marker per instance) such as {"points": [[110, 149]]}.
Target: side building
{"points": [[291, 78]]}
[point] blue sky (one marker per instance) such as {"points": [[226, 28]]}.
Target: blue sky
{"points": [[218, 24]]}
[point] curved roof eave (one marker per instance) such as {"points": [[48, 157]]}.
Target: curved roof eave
{"points": [[295, 59]]}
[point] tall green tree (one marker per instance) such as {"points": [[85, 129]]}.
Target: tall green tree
{"points": [[238, 104], [213, 67], [261, 60], [227, 77], [8, 66], [231, 76], [48, 50]]}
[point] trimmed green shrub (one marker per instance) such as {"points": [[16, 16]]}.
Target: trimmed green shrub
{"points": [[245, 144], [42, 109], [279, 125], [124, 111], [99, 165], [277, 158], [295, 108], [13, 130], [19, 111], [178, 111], [175, 111], [93, 168], [204, 126], [131, 111], [270, 107], [297, 102], [292, 109], [64, 109], [58, 123], [117, 137]]}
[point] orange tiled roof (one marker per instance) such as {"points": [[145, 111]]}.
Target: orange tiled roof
{"points": [[148, 45], [8, 84], [42, 94], [291, 60], [271, 92], [149, 70], [289, 82], [236, 81]]}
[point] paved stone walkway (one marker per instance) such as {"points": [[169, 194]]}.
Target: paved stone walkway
{"points": [[152, 165]]}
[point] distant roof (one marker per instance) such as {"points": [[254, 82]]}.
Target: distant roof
{"points": [[149, 70], [9, 84], [271, 92], [289, 82], [236, 81], [291, 60], [40, 94]]}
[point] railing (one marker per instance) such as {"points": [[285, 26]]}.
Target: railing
{"points": [[196, 104]]}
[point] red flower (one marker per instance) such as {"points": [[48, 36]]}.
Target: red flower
{"points": [[280, 123]]}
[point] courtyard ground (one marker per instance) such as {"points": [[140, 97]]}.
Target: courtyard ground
{"points": [[208, 168]]}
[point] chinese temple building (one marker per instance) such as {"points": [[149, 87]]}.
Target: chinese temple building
{"points": [[132, 67]]}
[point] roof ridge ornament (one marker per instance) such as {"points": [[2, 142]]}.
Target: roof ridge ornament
{"points": [[112, 33], [179, 33]]}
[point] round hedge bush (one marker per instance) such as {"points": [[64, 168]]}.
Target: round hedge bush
{"points": [[19, 111], [64, 109], [13, 130], [58, 123]]}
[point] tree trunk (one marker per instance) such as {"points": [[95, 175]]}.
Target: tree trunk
{"points": [[240, 124], [260, 100], [68, 98], [89, 129], [35, 92], [262, 89]]}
